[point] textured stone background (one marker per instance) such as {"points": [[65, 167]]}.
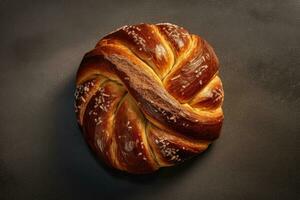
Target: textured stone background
{"points": [[43, 155]]}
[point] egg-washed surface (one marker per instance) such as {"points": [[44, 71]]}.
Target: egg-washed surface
{"points": [[149, 96]]}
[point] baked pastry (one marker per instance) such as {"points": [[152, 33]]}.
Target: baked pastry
{"points": [[149, 96]]}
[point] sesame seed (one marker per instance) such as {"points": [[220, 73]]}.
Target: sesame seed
{"points": [[168, 152], [173, 118], [86, 89], [105, 95], [207, 55], [176, 77]]}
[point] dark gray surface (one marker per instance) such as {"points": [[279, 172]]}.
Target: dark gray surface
{"points": [[43, 155]]}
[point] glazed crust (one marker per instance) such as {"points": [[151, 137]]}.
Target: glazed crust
{"points": [[149, 96]]}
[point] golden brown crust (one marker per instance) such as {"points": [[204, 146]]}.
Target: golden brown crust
{"points": [[178, 38], [93, 65], [171, 148], [193, 72], [98, 121], [146, 43], [162, 92], [133, 150], [84, 93]]}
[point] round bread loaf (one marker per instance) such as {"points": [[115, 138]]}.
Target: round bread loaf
{"points": [[149, 96]]}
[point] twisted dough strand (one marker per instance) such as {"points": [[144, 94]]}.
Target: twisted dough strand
{"points": [[149, 96]]}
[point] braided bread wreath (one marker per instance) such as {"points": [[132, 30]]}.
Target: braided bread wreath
{"points": [[149, 96]]}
